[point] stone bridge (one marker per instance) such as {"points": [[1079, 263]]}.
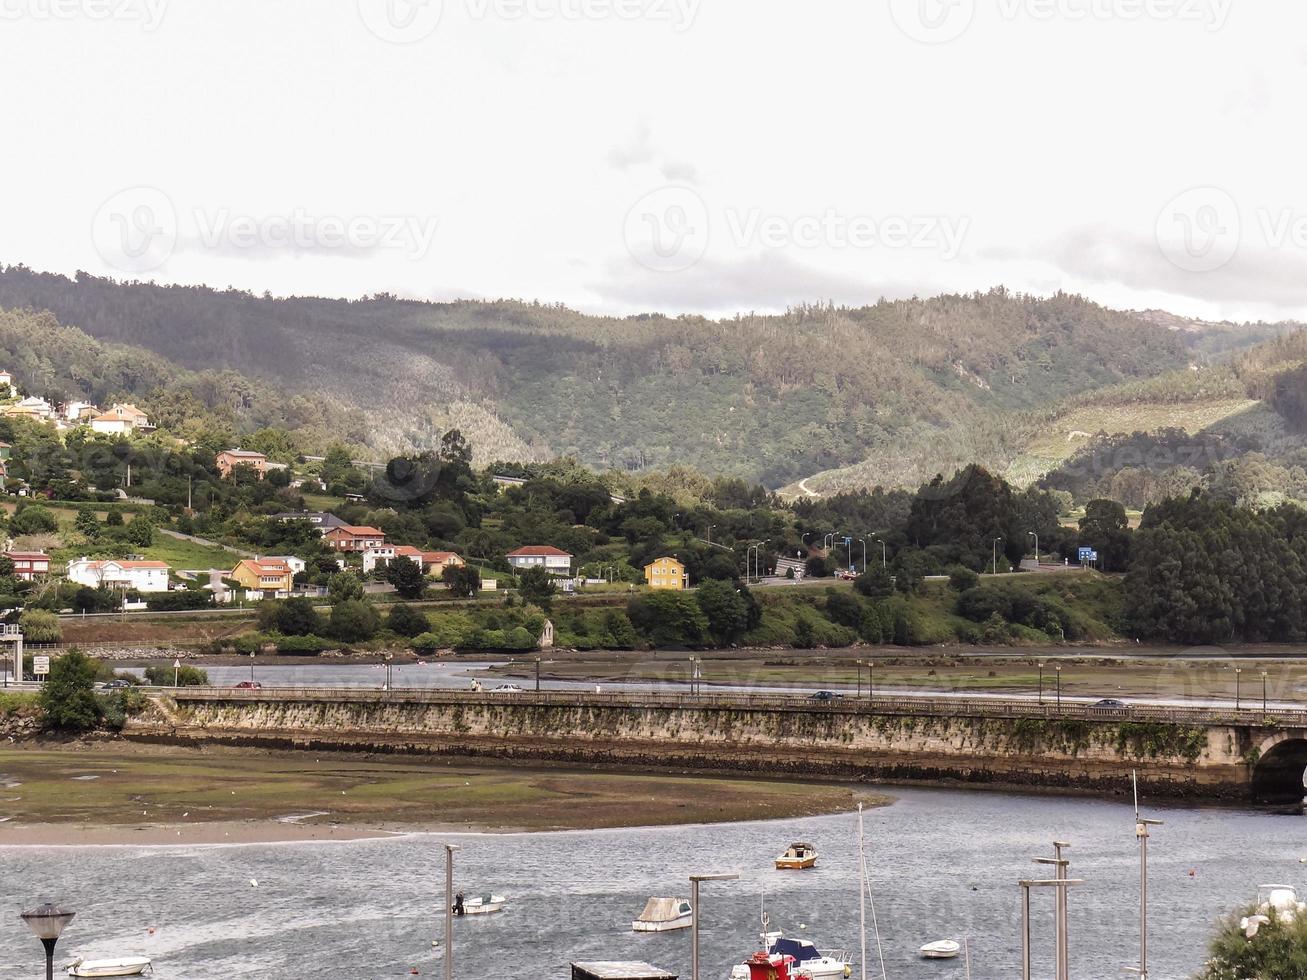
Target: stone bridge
{"points": [[1200, 753]]}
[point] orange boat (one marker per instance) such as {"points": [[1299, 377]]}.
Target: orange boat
{"points": [[770, 966], [797, 858]]}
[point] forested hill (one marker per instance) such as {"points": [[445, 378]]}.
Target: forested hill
{"points": [[769, 398]]}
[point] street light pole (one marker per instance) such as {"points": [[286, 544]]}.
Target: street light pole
{"points": [[449, 910], [1036, 537], [1041, 682], [1263, 692], [994, 548], [1141, 833], [694, 916], [1058, 668], [1237, 672], [47, 923], [859, 663]]}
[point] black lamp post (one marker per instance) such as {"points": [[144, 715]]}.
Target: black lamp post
{"points": [[48, 923]]}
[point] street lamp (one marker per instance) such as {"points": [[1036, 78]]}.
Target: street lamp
{"points": [[864, 553], [1041, 682], [859, 663], [694, 916], [1263, 692], [1036, 537], [449, 910], [1237, 672], [48, 923], [1058, 668], [537, 675], [884, 553], [994, 548]]}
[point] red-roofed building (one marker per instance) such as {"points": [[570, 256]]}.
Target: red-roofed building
{"points": [[353, 539], [436, 562], [29, 565], [552, 560], [229, 459]]}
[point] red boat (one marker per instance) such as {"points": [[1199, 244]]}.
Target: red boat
{"points": [[770, 966]]}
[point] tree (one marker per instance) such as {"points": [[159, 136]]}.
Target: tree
{"points": [[404, 620], [6, 566], [33, 520], [290, 617], [844, 608], [960, 579], [875, 583], [344, 587], [407, 577], [1279, 950], [1106, 528], [464, 581], [40, 626], [537, 587], [353, 621], [668, 618], [68, 696], [140, 532], [87, 524], [726, 611], [161, 675]]}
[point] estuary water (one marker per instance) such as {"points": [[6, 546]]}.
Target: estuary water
{"points": [[944, 864]]}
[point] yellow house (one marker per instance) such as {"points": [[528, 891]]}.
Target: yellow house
{"points": [[269, 575], [666, 573]]}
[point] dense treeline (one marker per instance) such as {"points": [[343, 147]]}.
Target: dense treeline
{"points": [[765, 398]]}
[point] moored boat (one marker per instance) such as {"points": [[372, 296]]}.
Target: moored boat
{"points": [[123, 966], [481, 905], [797, 858], [944, 949], [664, 915]]}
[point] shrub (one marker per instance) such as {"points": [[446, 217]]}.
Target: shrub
{"points": [[464, 582], [301, 644], [344, 587], [180, 600], [33, 520], [353, 621], [960, 578], [186, 676], [290, 617], [40, 626], [407, 578], [404, 620], [68, 696]]}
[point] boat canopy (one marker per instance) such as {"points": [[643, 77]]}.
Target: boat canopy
{"points": [[800, 949], [664, 910]]}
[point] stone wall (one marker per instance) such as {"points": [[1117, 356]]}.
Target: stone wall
{"points": [[1091, 756]]}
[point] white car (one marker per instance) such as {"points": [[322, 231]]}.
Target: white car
{"points": [[507, 689]]}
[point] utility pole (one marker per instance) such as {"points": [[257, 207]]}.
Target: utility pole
{"points": [[1141, 833], [1061, 882]]}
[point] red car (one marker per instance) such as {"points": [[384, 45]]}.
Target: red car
{"points": [[249, 686]]}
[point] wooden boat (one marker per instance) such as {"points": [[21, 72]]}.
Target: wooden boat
{"points": [[944, 949], [797, 858], [124, 966], [664, 915]]}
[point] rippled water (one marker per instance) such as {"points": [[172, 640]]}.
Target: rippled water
{"points": [[945, 865]]}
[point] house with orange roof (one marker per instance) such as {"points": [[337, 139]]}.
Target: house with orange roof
{"points": [[123, 576], [229, 459], [353, 538], [435, 562], [272, 576]]}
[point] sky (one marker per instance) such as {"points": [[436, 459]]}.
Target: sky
{"points": [[682, 156]]}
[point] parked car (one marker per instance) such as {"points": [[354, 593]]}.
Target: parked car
{"points": [[825, 696], [249, 686], [117, 684]]}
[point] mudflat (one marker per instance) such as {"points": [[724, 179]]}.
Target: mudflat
{"points": [[105, 792]]}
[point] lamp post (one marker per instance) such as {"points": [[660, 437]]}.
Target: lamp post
{"points": [[1237, 672], [47, 923], [864, 553], [1263, 692], [537, 675], [1036, 537], [994, 549], [1041, 682], [449, 910], [694, 916], [859, 663], [251, 666], [176, 671], [1141, 833], [884, 553], [1058, 668]]}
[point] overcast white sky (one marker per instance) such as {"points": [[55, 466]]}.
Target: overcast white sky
{"points": [[678, 155]]}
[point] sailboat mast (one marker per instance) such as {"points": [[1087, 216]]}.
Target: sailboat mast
{"points": [[862, 892]]}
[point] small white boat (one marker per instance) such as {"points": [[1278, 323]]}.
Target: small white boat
{"points": [[125, 966], [944, 949], [664, 915], [482, 905], [798, 857]]}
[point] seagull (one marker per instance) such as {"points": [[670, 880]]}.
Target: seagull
{"points": [[254, 883]]}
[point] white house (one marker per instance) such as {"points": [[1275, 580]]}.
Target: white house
{"points": [[554, 561], [120, 421], [35, 408], [377, 554], [296, 565], [140, 576], [7, 384]]}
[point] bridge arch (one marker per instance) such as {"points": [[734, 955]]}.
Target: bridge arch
{"points": [[1278, 775]]}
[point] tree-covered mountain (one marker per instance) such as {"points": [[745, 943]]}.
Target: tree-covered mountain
{"points": [[906, 388]]}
